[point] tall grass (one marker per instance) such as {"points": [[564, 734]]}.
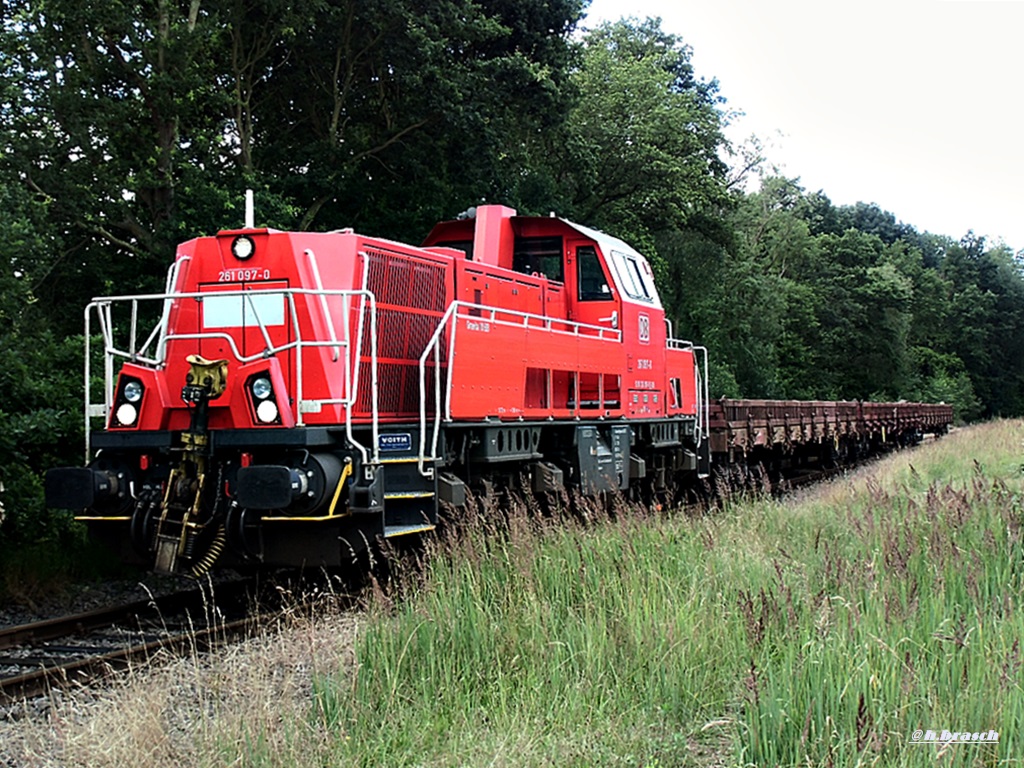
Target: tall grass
{"points": [[907, 618], [822, 632], [569, 647]]}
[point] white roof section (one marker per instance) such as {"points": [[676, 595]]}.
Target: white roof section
{"points": [[634, 284]]}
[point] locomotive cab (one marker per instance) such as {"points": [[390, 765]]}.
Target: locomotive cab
{"points": [[601, 286]]}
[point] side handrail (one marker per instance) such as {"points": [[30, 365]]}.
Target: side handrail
{"points": [[703, 398], [679, 344], [433, 345], [701, 384], [368, 297], [359, 332], [490, 314], [88, 406], [101, 308]]}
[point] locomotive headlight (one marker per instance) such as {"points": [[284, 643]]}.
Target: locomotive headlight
{"points": [[133, 391], [263, 399], [267, 412], [126, 414], [261, 388], [242, 247]]}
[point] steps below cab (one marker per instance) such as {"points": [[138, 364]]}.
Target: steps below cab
{"points": [[410, 499], [402, 530]]}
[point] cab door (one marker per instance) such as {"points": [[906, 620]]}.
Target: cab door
{"points": [[593, 300]]}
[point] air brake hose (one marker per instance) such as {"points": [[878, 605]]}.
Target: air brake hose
{"points": [[216, 547]]}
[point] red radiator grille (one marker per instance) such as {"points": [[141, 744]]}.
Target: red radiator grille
{"points": [[406, 281], [398, 391], [411, 300]]}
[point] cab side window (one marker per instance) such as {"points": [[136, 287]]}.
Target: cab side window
{"points": [[631, 276], [593, 286], [540, 256]]}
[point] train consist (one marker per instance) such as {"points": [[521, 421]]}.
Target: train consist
{"points": [[301, 395]]}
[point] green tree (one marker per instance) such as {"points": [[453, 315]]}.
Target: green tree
{"points": [[41, 376], [775, 247], [986, 314], [126, 128], [641, 150], [391, 115], [116, 110], [142, 123]]}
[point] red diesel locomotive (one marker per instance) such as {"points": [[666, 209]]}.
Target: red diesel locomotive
{"points": [[303, 394]]}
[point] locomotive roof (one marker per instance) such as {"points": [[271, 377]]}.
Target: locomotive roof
{"points": [[610, 245]]}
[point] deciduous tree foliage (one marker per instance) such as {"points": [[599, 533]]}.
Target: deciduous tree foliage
{"points": [[854, 304], [39, 376], [127, 127], [642, 144], [141, 123]]}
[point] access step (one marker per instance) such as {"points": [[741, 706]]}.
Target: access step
{"points": [[402, 530]]}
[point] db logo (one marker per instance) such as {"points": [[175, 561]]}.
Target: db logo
{"points": [[644, 329]]}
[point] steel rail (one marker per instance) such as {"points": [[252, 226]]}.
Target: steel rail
{"points": [[52, 671], [41, 681]]}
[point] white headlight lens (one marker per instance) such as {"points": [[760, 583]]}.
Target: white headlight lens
{"points": [[261, 388], [243, 247], [267, 412], [133, 391], [126, 414]]}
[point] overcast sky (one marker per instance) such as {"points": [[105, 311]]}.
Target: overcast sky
{"points": [[916, 105]]}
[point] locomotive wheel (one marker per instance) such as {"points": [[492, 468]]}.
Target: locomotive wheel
{"points": [[143, 523], [243, 532]]}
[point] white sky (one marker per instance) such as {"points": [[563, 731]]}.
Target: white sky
{"points": [[916, 105]]}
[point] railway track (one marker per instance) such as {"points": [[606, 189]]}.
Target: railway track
{"points": [[78, 649]]}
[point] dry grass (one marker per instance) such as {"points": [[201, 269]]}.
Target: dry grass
{"points": [[249, 704]]}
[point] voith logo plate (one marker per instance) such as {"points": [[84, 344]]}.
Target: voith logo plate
{"points": [[393, 442]]}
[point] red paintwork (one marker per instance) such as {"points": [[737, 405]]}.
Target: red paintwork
{"points": [[525, 329], [502, 359]]}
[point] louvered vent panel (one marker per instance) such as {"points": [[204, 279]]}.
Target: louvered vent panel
{"points": [[410, 296]]}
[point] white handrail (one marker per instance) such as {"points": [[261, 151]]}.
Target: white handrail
{"points": [[522, 319], [259, 321], [703, 399], [101, 307], [374, 412], [134, 327], [700, 383], [88, 384], [432, 344], [299, 377], [173, 273], [353, 386], [106, 325], [679, 344], [323, 299]]}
